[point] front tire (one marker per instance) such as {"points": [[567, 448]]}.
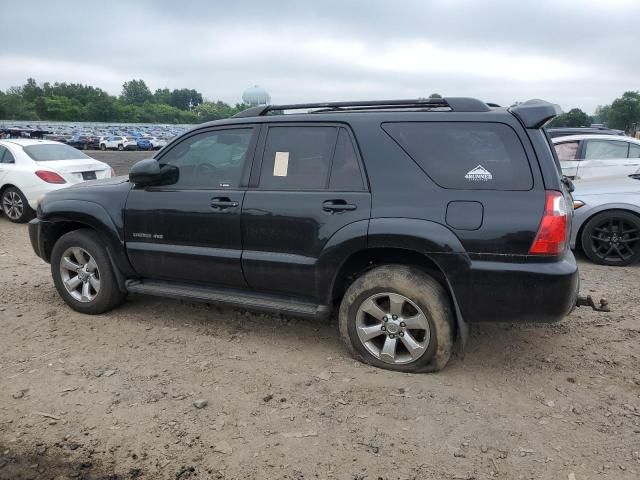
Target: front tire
{"points": [[398, 318], [612, 238], [103, 147], [15, 206], [82, 273]]}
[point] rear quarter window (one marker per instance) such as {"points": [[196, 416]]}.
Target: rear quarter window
{"points": [[465, 155]]}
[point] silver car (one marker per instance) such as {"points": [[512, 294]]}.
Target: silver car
{"points": [[606, 221], [589, 156]]}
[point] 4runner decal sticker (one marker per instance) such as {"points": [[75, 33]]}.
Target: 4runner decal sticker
{"points": [[479, 174]]}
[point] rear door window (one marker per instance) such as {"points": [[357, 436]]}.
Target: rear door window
{"points": [[465, 155], [297, 158], [634, 150], [605, 150], [345, 171]]}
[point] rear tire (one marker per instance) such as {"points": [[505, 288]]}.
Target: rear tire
{"points": [[418, 337], [120, 147], [15, 206], [82, 273], [103, 147], [612, 238]]}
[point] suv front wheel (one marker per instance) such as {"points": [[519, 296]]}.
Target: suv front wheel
{"points": [[82, 273], [399, 318]]}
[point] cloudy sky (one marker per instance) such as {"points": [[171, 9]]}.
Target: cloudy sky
{"points": [[574, 52]]}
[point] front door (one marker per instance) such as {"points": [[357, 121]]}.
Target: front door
{"points": [[307, 187], [190, 231]]}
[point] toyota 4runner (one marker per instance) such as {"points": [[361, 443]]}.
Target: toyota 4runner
{"points": [[411, 218]]}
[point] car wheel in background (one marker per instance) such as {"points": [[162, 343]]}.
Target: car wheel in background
{"points": [[85, 147], [15, 206], [82, 273], [120, 147], [103, 147], [398, 318], [612, 238]]}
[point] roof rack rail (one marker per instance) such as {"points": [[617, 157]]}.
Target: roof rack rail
{"points": [[456, 104]]}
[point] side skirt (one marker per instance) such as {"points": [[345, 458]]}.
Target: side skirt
{"points": [[232, 298]]}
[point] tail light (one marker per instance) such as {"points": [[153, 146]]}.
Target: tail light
{"points": [[113, 172], [50, 177], [553, 231]]}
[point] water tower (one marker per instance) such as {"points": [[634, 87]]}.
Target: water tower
{"points": [[256, 95]]}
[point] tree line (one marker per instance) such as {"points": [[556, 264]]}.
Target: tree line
{"points": [[136, 104], [622, 114]]}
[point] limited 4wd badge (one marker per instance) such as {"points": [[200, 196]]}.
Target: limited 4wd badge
{"points": [[479, 174]]}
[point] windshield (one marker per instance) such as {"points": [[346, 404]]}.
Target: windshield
{"points": [[53, 151]]}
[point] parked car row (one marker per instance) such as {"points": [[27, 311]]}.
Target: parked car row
{"points": [[31, 168]]}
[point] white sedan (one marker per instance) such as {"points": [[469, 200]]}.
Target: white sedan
{"points": [[589, 156], [31, 168]]}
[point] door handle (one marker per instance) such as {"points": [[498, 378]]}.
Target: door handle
{"points": [[222, 203], [337, 206]]}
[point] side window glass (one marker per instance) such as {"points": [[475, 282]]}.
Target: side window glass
{"points": [[5, 155], [605, 150], [566, 151], [345, 172], [297, 158], [210, 159], [634, 150], [465, 155]]}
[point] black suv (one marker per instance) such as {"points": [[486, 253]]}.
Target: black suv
{"points": [[411, 217]]}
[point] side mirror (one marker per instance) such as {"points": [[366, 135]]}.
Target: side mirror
{"points": [[148, 172]]}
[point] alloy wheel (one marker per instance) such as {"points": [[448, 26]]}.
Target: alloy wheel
{"points": [[393, 328], [80, 274], [615, 240], [12, 205]]}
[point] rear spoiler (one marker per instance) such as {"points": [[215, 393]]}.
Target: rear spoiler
{"points": [[535, 113]]}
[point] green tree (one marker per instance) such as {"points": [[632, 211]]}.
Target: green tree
{"points": [[602, 114], [162, 95], [136, 92], [59, 108], [208, 111], [573, 118], [624, 112], [14, 107], [31, 90], [435, 95], [185, 98]]}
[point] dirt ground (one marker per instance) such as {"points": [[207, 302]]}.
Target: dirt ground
{"points": [[113, 396]]}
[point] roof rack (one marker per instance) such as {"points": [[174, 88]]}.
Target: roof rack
{"points": [[455, 104]]}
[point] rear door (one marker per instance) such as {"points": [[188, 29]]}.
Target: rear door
{"points": [[606, 158], [308, 185], [189, 231]]}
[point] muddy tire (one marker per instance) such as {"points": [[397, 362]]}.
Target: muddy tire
{"points": [[399, 318]]}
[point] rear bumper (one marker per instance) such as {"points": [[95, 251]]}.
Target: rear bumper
{"points": [[519, 292]]}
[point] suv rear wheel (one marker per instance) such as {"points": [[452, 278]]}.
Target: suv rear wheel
{"points": [[399, 318], [82, 273]]}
